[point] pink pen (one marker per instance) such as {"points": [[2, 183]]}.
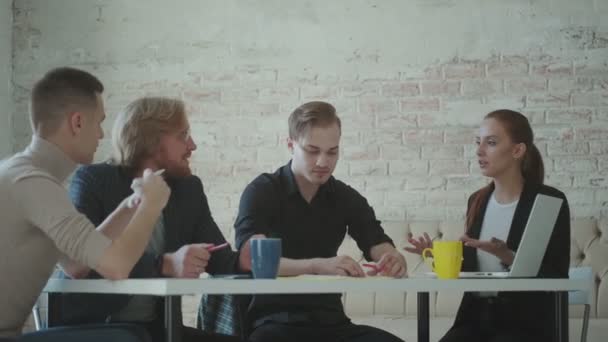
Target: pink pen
{"points": [[373, 266], [214, 248]]}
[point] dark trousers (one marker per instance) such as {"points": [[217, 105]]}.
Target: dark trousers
{"points": [[307, 332], [487, 321], [189, 334], [89, 333]]}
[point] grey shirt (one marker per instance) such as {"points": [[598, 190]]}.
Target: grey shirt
{"points": [[39, 224]]}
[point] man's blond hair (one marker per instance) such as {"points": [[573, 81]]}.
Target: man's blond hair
{"points": [[311, 114], [139, 127]]}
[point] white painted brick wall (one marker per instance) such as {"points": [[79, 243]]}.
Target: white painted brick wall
{"points": [[6, 98], [411, 79]]}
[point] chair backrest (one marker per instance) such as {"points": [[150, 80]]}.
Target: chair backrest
{"points": [[580, 297]]}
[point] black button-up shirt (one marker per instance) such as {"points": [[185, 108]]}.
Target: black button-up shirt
{"points": [[272, 205]]}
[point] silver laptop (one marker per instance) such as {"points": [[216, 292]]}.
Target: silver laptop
{"points": [[533, 243]]}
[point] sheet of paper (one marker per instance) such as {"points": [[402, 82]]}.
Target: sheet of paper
{"points": [[329, 277]]}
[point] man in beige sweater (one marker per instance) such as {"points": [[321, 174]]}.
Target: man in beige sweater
{"points": [[40, 226]]}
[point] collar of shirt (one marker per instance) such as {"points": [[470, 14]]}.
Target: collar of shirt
{"points": [[50, 157], [128, 174], [288, 179]]}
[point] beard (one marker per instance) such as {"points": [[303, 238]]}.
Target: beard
{"points": [[178, 170], [175, 168]]}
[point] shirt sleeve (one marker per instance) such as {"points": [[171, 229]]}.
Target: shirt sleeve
{"points": [[207, 231], [256, 210], [362, 223], [85, 194], [46, 205]]}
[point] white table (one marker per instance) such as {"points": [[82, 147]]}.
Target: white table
{"points": [[173, 289]]}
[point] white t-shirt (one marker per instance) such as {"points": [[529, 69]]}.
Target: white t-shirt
{"points": [[496, 224]]}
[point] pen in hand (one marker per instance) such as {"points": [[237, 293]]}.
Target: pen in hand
{"points": [[135, 199], [373, 267], [214, 248]]}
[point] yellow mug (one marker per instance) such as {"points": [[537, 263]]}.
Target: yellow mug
{"points": [[447, 258]]}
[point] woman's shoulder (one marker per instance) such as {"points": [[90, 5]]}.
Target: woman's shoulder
{"points": [[472, 196], [550, 191], [485, 191]]}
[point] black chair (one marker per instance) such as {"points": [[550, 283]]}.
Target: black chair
{"points": [[53, 331], [118, 332]]}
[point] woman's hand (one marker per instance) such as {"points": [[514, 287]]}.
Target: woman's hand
{"points": [[418, 244], [495, 247]]}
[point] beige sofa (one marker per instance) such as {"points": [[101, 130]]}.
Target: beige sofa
{"points": [[397, 312]]}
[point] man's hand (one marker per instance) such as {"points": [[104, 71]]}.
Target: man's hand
{"points": [[245, 255], [391, 264], [495, 247], [152, 187], [187, 262], [340, 265]]}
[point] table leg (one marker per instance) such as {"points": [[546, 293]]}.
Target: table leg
{"points": [[561, 316], [172, 327], [423, 317]]}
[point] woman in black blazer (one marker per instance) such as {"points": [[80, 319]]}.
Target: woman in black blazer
{"points": [[495, 221]]}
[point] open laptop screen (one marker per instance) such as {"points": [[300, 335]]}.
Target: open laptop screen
{"points": [[534, 241]]}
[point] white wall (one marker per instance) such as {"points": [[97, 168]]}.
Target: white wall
{"points": [[6, 101], [410, 78]]}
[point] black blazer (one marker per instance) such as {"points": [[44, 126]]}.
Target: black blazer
{"points": [[96, 190], [532, 312]]}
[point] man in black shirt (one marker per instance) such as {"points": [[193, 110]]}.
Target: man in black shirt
{"points": [[311, 212]]}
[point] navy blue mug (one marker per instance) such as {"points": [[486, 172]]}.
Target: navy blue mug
{"points": [[265, 257]]}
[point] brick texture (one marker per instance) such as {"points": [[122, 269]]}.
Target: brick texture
{"points": [[6, 66], [410, 92], [417, 120]]}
